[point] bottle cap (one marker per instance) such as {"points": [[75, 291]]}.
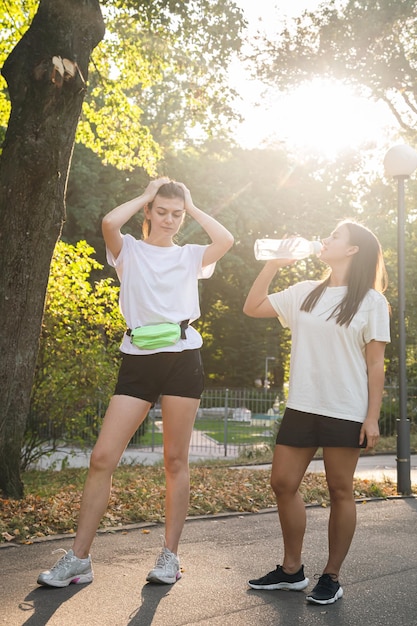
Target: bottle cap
{"points": [[317, 247]]}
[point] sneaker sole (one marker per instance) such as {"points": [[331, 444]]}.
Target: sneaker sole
{"points": [[338, 594], [81, 579], [299, 586], [163, 581]]}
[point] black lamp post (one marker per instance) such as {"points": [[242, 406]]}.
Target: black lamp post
{"points": [[400, 162]]}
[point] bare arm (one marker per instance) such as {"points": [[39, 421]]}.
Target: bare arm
{"points": [[257, 303], [221, 239], [113, 221], [375, 351]]}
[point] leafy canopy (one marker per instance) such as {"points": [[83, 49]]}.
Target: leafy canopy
{"points": [[157, 80]]}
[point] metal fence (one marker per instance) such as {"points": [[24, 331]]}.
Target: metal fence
{"points": [[228, 421], [231, 421]]}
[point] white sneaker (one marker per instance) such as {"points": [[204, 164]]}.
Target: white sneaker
{"points": [[69, 569], [166, 570]]}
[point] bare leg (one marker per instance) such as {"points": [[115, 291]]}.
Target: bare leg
{"points": [[340, 464], [178, 416], [288, 468], [123, 416]]}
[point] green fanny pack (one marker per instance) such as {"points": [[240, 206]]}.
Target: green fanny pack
{"points": [[157, 336]]}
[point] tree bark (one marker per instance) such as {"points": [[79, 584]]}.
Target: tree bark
{"points": [[45, 74]]}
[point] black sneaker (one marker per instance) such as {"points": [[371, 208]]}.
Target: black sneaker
{"points": [[278, 579], [327, 590]]}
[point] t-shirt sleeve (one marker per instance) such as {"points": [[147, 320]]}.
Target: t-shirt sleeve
{"points": [[378, 328], [127, 242], [288, 301], [279, 301], [203, 272]]}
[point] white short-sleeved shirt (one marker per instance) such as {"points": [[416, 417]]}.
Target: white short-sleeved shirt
{"points": [[328, 373], [159, 284]]}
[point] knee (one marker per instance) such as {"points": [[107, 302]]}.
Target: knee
{"points": [[101, 459], [281, 487], [340, 492], [175, 465]]}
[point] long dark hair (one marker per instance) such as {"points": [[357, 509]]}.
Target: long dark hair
{"points": [[169, 190], [367, 271]]}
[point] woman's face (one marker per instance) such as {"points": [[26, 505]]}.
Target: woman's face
{"points": [[337, 247], [166, 216]]}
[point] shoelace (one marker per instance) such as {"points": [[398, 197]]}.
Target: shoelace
{"points": [[61, 561], [321, 582], [163, 559]]}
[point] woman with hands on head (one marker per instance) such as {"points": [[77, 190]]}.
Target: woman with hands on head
{"points": [[158, 286], [339, 328]]}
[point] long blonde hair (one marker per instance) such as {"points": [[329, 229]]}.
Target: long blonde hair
{"points": [[367, 271]]}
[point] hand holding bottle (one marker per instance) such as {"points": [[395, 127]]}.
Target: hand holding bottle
{"points": [[294, 248]]}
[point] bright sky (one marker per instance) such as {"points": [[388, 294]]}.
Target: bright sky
{"points": [[323, 117]]}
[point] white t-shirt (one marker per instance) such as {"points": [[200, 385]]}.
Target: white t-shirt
{"points": [[159, 284], [328, 373]]}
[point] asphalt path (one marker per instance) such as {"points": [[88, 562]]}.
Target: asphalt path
{"points": [[218, 555]]}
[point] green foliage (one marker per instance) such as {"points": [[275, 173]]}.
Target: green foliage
{"points": [[76, 366], [158, 78], [15, 18], [93, 190]]}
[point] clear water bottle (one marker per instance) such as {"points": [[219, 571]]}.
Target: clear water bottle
{"points": [[292, 248]]}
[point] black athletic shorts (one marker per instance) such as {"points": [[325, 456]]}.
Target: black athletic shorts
{"points": [[308, 430], [164, 373]]}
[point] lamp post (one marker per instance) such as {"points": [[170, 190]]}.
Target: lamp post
{"points": [[267, 359], [400, 162]]}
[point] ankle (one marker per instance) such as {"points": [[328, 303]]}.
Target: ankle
{"points": [[291, 569], [173, 548], [80, 555]]}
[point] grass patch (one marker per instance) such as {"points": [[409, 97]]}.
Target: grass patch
{"points": [[149, 439], [234, 432]]}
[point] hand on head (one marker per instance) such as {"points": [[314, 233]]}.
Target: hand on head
{"points": [[188, 203], [154, 186]]}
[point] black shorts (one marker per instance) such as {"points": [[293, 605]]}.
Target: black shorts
{"points": [[308, 430], [164, 373]]}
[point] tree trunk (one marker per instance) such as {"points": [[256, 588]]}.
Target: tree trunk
{"points": [[46, 74]]}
